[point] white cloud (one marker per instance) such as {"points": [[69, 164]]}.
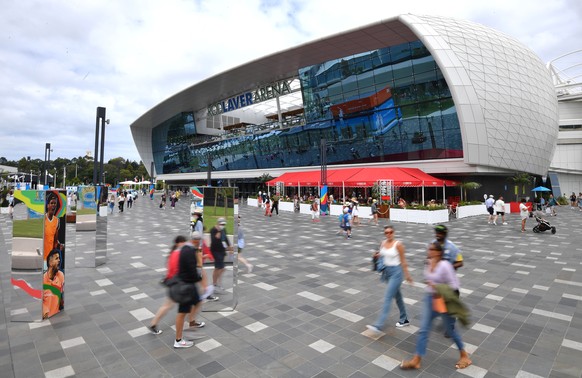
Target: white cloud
{"points": [[59, 59]]}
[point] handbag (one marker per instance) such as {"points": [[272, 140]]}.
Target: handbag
{"points": [[182, 292], [438, 304]]}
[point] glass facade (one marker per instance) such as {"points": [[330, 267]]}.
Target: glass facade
{"points": [[390, 104]]}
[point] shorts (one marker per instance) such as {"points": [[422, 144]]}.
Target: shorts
{"points": [[348, 228], [185, 308], [490, 210], [502, 213], [219, 260]]}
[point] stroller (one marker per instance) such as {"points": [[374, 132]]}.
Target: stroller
{"points": [[543, 225]]}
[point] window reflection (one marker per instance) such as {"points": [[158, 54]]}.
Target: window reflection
{"points": [[391, 104]]}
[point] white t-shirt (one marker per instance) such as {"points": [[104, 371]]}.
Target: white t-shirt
{"points": [[499, 206], [523, 210], [390, 255]]}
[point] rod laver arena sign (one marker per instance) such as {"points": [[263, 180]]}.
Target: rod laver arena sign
{"points": [[261, 94]]}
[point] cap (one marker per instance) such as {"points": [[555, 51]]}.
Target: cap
{"points": [[441, 228], [374, 201], [490, 195], [197, 211], [196, 235], [221, 221]]}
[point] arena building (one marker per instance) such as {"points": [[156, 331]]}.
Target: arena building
{"points": [[454, 98]]}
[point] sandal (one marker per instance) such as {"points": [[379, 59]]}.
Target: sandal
{"points": [[409, 365], [463, 363]]}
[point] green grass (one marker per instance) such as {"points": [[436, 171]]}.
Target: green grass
{"points": [[28, 228], [211, 215], [87, 212]]}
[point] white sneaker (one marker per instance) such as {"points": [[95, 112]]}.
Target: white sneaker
{"points": [[183, 344], [494, 223], [504, 222], [208, 292], [375, 331], [249, 268]]}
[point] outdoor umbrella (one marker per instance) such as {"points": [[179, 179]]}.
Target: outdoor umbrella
{"points": [[541, 189]]}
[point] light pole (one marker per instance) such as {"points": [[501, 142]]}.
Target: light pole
{"points": [[100, 122], [47, 159]]}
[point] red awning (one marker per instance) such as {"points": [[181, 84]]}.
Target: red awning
{"points": [[360, 177]]}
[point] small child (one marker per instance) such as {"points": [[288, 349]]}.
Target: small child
{"points": [[267, 208]]}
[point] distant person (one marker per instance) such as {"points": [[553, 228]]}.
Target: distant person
{"points": [[489, 203], [10, 199], [275, 207], [111, 202], [552, 203], [523, 213], [499, 210], [130, 200], [121, 202], [374, 210]]}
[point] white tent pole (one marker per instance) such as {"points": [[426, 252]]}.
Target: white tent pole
{"points": [[444, 197], [344, 191], [423, 193]]}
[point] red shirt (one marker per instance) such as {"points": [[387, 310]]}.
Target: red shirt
{"points": [[173, 263]]}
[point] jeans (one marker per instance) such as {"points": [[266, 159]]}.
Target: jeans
{"points": [[394, 274], [426, 324]]}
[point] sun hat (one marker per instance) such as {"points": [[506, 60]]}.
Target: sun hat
{"points": [[221, 221]]}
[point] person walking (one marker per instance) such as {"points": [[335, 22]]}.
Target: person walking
{"points": [[437, 271], [111, 203], [130, 200], [489, 202], [267, 207], [315, 210], [173, 199], [523, 213], [499, 210], [374, 210], [552, 203], [163, 201], [188, 265], [347, 223], [172, 268], [121, 202], [219, 244], [392, 267], [275, 207], [355, 213]]}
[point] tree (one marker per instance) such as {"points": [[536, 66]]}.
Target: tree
{"points": [[264, 178], [470, 185], [520, 179]]}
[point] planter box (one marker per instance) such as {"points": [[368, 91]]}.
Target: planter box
{"points": [[285, 206], [419, 216], [471, 211], [252, 202], [3, 210]]}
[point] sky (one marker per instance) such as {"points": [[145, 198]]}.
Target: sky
{"points": [[61, 59]]}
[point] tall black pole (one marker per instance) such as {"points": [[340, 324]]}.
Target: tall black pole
{"points": [[323, 157], [99, 121], [209, 171], [103, 122], [96, 157]]}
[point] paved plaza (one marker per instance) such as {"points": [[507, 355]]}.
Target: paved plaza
{"points": [[303, 310]]}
